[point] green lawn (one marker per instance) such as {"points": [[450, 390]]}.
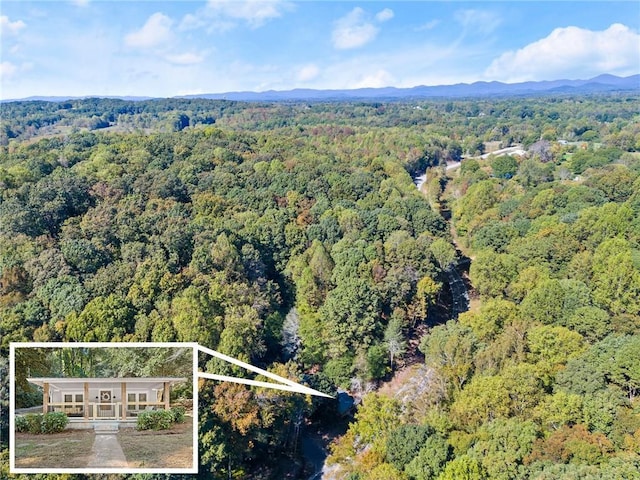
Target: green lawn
{"points": [[68, 449], [159, 449]]}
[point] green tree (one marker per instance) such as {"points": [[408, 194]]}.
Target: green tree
{"points": [[404, 443], [375, 418], [532, 172], [394, 338], [197, 316], [30, 362], [427, 291], [443, 252], [350, 315], [463, 467], [449, 349], [103, 319], [62, 296], [484, 399], [610, 361], [385, 471], [592, 323], [479, 198], [503, 445], [493, 315], [504, 166], [616, 278], [555, 345], [559, 409], [526, 384], [242, 334], [555, 301], [491, 273], [430, 460], [83, 255]]}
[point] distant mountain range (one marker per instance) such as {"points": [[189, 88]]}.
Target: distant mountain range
{"points": [[601, 83], [62, 98]]}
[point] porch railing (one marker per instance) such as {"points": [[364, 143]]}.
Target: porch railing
{"points": [[104, 410], [70, 409]]}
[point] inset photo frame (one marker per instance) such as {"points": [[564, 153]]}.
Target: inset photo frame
{"points": [[103, 407]]}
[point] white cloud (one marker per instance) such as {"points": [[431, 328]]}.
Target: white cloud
{"points": [[422, 63], [308, 73], [191, 21], [155, 32], [224, 15], [10, 28], [158, 40], [80, 3], [429, 25], [254, 12], [353, 31], [378, 79], [384, 15], [187, 58], [478, 21], [571, 52], [7, 70]]}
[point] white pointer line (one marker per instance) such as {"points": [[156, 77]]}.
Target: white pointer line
{"points": [[284, 383], [256, 383]]}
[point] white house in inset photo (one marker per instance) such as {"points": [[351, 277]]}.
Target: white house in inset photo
{"points": [[90, 399]]}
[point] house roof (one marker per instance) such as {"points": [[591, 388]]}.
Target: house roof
{"points": [[66, 382]]}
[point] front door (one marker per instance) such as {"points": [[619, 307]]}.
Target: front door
{"points": [[106, 408]]}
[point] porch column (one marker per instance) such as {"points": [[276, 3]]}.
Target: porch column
{"points": [[86, 400], [123, 394], [166, 396], [45, 397]]}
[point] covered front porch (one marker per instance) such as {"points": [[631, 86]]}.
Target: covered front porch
{"points": [[85, 399]]}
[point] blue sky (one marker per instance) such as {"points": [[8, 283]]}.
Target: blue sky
{"points": [[90, 47]]}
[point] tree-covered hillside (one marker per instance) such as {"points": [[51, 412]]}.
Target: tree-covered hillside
{"points": [[541, 378], [292, 236]]}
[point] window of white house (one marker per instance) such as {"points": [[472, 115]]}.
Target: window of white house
{"points": [[79, 398], [68, 398], [131, 400]]}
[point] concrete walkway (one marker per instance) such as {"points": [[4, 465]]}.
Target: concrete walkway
{"points": [[107, 452]]}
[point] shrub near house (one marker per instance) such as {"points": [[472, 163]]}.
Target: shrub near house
{"points": [[36, 423], [160, 419]]}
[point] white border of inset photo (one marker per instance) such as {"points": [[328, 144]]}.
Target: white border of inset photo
{"points": [[13, 346]]}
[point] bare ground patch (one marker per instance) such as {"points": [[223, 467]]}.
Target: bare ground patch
{"points": [[68, 449], [159, 449]]}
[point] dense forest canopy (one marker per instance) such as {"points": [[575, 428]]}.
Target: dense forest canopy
{"points": [[291, 235]]}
